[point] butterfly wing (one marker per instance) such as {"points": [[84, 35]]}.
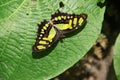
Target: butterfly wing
{"points": [[47, 35], [68, 22]]}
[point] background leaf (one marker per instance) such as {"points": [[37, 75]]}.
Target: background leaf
{"points": [[117, 57], [18, 32]]}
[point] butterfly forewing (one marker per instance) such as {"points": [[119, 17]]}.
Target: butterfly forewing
{"points": [[68, 22], [47, 35]]}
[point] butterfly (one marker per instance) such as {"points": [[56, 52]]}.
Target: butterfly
{"points": [[60, 24]]}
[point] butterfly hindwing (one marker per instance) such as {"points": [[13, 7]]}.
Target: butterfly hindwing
{"points": [[68, 22], [47, 35]]}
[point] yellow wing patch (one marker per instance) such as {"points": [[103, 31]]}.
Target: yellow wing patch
{"points": [[75, 21], [47, 39], [67, 26], [41, 47], [80, 21], [43, 42], [44, 27], [42, 32], [56, 18], [59, 18], [64, 17]]}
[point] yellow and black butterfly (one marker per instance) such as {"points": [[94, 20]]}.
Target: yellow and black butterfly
{"points": [[51, 31]]}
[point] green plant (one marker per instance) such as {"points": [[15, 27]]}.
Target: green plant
{"points": [[18, 27]]}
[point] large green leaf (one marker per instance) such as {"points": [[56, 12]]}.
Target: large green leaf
{"points": [[9, 7], [117, 57], [18, 32]]}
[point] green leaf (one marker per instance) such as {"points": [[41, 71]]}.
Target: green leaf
{"points": [[18, 32], [117, 57], [9, 7]]}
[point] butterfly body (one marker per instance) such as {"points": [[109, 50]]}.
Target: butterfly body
{"points": [[51, 31]]}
